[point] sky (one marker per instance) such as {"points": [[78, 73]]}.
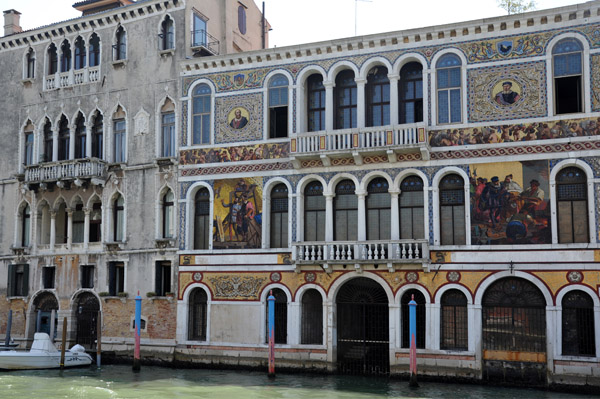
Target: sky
{"points": [[306, 21]]}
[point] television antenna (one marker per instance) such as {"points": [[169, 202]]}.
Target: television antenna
{"points": [[356, 13]]}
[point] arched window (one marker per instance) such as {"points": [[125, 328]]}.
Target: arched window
{"points": [[168, 129], [452, 210], [98, 136], [242, 19], [315, 103], [29, 140], [410, 92], [65, 56], [448, 89], [80, 137], [167, 34], [412, 210], [64, 139], [312, 318], [48, 142], [118, 219], [280, 317], [202, 222], [201, 104], [378, 97], [404, 307], [572, 215], [345, 212], [119, 136], [80, 53], [378, 210], [25, 226], [52, 59], [60, 224], [168, 215], [278, 106], [567, 57], [197, 315], [279, 216], [30, 64], [94, 50], [455, 323], [78, 220], [120, 47], [314, 212], [345, 100], [95, 229], [578, 332]]}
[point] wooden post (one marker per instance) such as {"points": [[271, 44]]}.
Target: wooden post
{"points": [[99, 339], [8, 327], [412, 307], [138, 321], [64, 344], [52, 325], [271, 311]]}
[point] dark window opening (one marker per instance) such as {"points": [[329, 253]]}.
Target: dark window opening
{"points": [[345, 100], [568, 75], [312, 318], [197, 323], [378, 97], [116, 278], [52, 59], [48, 274], [94, 50], [578, 332], [410, 92], [167, 34], [95, 233], [121, 44], [18, 280], [314, 212], [316, 103], [279, 216], [162, 278], [97, 136], [202, 222], [65, 56], [48, 142], [87, 276], [78, 221], [30, 73], [80, 53], [80, 137], [455, 333], [64, 139]]}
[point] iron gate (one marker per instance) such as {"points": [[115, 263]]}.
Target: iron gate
{"points": [[362, 328], [87, 320]]}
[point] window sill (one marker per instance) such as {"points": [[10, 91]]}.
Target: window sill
{"points": [[28, 82], [114, 246], [120, 298], [166, 161], [16, 298], [171, 298], [164, 243], [167, 53], [119, 63]]}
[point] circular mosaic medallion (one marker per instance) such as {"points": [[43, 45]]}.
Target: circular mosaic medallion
{"points": [[197, 277], [275, 277], [411, 277], [453, 276], [574, 277], [310, 277]]}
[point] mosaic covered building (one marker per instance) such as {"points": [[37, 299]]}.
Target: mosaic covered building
{"points": [[456, 165]]}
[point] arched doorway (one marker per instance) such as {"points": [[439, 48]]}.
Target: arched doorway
{"points": [[86, 313], [514, 331], [43, 305], [362, 328]]}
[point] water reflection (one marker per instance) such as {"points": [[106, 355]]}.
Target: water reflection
{"points": [[119, 382]]}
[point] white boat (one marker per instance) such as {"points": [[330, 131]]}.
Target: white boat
{"points": [[43, 355]]}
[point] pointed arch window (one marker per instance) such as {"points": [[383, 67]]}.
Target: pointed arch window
{"points": [[279, 216], [314, 212], [94, 50], [378, 204], [25, 226], [452, 210], [448, 70], [197, 321], [345, 98], [201, 104], [567, 60], [119, 135], [312, 318], [572, 215], [52, 59], [345, 211], [64, 139], [202, 222], [98, 136], [168, 215], [95, 229], [29, 141], [60, 225], [65, 56], [30, 64], [315, 103], [410, 92], [120, 47], [411, 207], [80, 53], [378, 97], [78, 220], [118, 219], [80, 137], [578, 332], [168, 129], [278, 106], [167, 34], [48, 142]]}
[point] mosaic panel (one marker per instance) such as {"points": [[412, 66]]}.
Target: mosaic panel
{"points": [[595, 63], [184, 119], [507, 92], [516, 132], [255, 152], [257, 167], [238, 118], [506, 47]]}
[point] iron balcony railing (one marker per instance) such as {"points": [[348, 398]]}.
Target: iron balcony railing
{"points": [[70, 169], [359, 139], [204, 42], [361, 251]]}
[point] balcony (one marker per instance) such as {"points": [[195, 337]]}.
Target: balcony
{"points": [[359, 143], [61, 172], [204, 44], [72, 78], [365, 252]]}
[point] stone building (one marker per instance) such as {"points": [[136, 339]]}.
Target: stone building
{"points": [[88, 169], [456, 164]]}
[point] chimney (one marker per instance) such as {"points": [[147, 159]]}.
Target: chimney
{"points": [[11, 22]]}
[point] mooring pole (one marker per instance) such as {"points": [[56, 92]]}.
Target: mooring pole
{"points": [[8, 327], [38, 321], [99, 339], [52, 325], [412, 316], [271, 307], [138, 321], [64, 344]]}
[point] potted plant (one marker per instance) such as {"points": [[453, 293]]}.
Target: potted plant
{"points": [[103, 293], [122, 294], [150, 294]]}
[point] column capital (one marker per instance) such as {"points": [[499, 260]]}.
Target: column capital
{"points": [[360, 81], [329, 196], [328, 84]]}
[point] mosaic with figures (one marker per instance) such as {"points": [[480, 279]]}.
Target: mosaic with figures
{"points": [[238, 118], [234, 154]]}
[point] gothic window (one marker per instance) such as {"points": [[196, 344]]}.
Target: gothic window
{"points": [[411, 209], [65, 56], [29, 140], [572, 212], [448, 89], [201, 104], [60, 224], [345, 212], [94, 49], [279, 216], [30, 64], [202, 222], [52, 59], [98, 136], [78, 221], [567, 57], [405, 313], [168, 215], [578, 332], [197, 320], [312, 318], [119, 135], [281, 313], [118, 219], [80, 53], [25, 226], [454, 334], [345, 100], [64, 138], [168, 130], [410, 93], [314, 212], [167, 34], [378, 97], [95, 232], [80, 137], [278, 106], [48, 142], [378, 203], [120, 46], [315, 103], [452, 210]]}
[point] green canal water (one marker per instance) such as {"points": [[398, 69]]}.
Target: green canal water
{"points": [[119, 382]]}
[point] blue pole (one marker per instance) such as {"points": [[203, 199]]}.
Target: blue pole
{"points": [[138, 321], [412, 316], [271, 308]]}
